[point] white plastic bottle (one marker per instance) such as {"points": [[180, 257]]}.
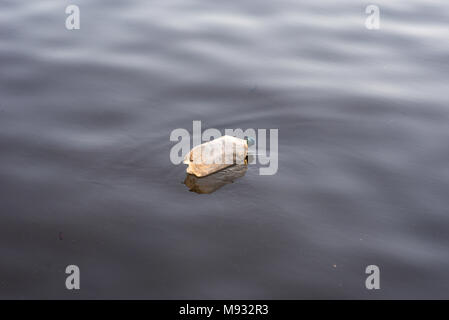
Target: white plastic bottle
{"points": [[216, 155]]}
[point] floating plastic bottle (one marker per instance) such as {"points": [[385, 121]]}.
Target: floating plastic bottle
{"points": [[216, 155]]}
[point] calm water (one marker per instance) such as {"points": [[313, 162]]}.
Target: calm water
{"points": [[85, 176]]}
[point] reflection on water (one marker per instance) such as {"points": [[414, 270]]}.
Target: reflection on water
{"points": [[215, 181]]}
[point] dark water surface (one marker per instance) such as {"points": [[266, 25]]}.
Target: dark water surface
{"points": [[85, 176]]}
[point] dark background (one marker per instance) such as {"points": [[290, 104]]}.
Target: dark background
{"points": [[85, 175]]}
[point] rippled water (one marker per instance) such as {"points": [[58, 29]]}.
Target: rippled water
{"points": [[85, 176]]}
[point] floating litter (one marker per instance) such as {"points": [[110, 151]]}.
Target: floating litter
{"points": [[218, 154]]}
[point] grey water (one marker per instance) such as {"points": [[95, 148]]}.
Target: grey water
{"points": [[86, 178]]}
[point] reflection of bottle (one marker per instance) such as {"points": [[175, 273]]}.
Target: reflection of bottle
{"points": [[216, 155], [216, 180]]}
